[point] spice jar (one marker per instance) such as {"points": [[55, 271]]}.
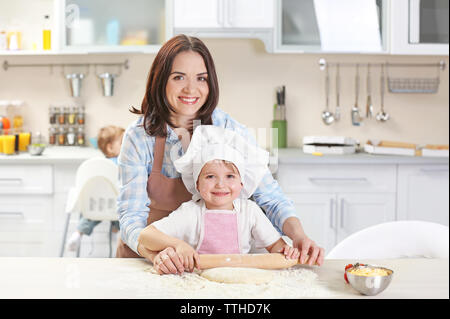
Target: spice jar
{"points": [[71, 136], [80, 136], [66, 114], [52, 134], [80, 115], [62, 136], [72, 115], [52, 114], [61, 117]]}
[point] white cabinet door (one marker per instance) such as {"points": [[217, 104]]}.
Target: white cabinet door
{"points": [[357, 211], [423, 193], [317, 213], [419, 27], [198, 14], [249, 13]]}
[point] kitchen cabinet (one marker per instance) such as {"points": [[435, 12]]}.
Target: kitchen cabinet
{"points": [[26, 216], [197, 14], [83, 26], [423, 193], [113, 26], [335, 201], [419, 27], [225, 18], [297, 27]]}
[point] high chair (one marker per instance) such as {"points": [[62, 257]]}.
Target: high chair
{"points": [[94, 195], [398, 239]]}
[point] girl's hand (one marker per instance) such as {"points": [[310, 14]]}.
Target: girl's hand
{"points": [[188, 256], [290, 252], [167, 261]]}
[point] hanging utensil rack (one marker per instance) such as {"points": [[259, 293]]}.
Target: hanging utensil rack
{"points": [[7, 65], [399, 84]]}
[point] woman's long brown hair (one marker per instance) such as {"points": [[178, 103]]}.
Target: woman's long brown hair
{"points": [[155, 107]]}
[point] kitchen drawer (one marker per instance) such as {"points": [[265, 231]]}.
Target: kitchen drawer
{"points": [[64, 175], [337, 178], [20, 213], [26, 179]]}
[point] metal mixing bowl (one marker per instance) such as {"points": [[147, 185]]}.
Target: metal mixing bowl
{"points": [[36, 149], [369, 285]]}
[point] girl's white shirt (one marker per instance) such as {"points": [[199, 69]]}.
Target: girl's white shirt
{"points": [[254, 228]]}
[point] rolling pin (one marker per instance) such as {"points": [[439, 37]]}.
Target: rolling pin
{"points": [[263, 261]]}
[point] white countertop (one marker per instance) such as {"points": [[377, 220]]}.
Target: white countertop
{"points": [[77, 154], [27, 277], [296, 156], [53, 155]]}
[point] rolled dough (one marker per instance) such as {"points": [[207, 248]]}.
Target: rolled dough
{"points": [[238, 275]]}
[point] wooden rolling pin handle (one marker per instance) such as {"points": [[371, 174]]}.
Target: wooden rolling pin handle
{"points": [[263, 261]]}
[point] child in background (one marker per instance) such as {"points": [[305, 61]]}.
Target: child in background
{"points": [[109, 141], [222, 171]]}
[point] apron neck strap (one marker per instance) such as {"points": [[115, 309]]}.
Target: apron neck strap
{"points": [[158, 153]]}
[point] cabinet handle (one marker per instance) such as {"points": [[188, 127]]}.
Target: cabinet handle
{"points": [[341, 212], [16, 215], [10, 181], [338, 179], [434, 170], [332, 213]]}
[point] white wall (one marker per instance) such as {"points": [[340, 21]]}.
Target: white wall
{"points": [[248, 76]]}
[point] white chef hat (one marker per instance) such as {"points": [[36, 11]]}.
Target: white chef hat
{"points": [[211, 142]]}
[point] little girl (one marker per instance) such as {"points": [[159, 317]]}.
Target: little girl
{"points": [[221, 170]]}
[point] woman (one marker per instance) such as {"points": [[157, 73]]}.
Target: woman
{"points": [[182, 90]]}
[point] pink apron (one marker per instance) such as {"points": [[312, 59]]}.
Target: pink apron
{"points": [[219, 233]]}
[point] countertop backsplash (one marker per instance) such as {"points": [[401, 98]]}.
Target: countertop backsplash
{"points": [[248, 77]]}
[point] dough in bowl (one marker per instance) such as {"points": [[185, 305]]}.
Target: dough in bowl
{"points": [[238, 275]]}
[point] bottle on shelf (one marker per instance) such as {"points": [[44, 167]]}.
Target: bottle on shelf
{"points": [[80, 136], [47, 34], [52, 135]]}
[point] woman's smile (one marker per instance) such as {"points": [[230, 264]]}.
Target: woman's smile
{"points": [[188, 100]]}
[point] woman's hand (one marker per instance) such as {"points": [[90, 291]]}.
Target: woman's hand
{"points": [[189, 257], [168, 261], [308, 247]]}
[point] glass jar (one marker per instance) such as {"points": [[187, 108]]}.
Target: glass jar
{"points": [[62, 136], [80, 136], [70, 136], [52, 115], [61, 117], [80, 115], [66, 111], [52, 135], [72, 115]]}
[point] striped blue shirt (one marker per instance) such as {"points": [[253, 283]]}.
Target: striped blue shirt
{"points": [[135, 164]]}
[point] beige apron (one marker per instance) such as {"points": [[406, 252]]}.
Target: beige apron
{"points": [[166, 195]]}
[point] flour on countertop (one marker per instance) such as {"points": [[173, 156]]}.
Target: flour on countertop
{"points": [[295, 282]]}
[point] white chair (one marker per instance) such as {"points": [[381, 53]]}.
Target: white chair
{"points": [[94, 195], [399, 239]]}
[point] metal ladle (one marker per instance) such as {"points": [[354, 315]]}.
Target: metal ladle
{"points": [[369, 105], [382, 116], [327, 116], [337, 112], [356, 117]]}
